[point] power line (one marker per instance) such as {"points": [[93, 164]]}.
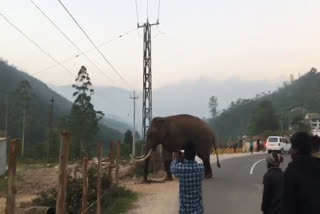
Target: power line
{"points": [[68, 38], [96, 47], [86, 51], [35, 44], [159, 30], [137, 13], [159, 10], [147, 9], [53, 66]]}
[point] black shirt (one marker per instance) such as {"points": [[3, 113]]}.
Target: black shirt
{"points": [[272, 191], [302, 187]]}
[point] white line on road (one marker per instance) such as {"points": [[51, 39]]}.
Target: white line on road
{"points": [[254, 165]]}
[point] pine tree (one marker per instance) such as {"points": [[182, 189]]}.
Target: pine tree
{"points": [[84, 118]]}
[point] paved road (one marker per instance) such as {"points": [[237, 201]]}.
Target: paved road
{"points": [[233, 189]]}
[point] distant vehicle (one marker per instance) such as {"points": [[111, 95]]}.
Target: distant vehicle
{"points": [[278, 144]]}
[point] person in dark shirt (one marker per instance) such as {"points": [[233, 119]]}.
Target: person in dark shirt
{"points": [[316, 146], [301, 193], [272, 185], [251, 146]]}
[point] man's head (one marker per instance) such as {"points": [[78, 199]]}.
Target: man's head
{"points": [[189, 151], [301, 144], [274, 159], [315, 144]]}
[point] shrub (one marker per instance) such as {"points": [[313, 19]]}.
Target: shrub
{"points": [[74, 192]]}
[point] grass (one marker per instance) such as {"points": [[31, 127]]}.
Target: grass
{"points": [[33, 164], [3, 184], [119, 200]]}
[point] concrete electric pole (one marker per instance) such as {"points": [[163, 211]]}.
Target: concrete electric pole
{"points": [[50, 128], [134, 123]]}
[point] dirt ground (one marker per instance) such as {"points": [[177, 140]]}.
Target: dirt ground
{"points": [[162, 198], [156, 198], [31, 180]]}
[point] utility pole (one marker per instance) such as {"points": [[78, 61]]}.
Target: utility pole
{"points": [[134, 124], [147, 77], [50, 128], [23, 130], [6, 120]]}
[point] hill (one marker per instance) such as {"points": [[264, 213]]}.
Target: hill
{"points": [[172, 99], [38, 116], [110, 100], [301, 95]]}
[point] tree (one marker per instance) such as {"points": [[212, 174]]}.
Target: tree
{"points": [[263, 118], [213, 104], [128, 138], [298, 124], [23, 99], [84, 118]]}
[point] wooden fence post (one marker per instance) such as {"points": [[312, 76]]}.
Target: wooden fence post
{"points": [[84, 204], [63, 174], [99, 178], [10, 204], [117, 162], [110, 161]]}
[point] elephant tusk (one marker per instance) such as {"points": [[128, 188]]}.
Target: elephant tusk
{"points": [[137, 157], [142, 159]]}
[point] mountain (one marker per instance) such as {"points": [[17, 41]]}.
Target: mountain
{"points": [[38, 115], [298, 97], [113, 102], [187, 97]]}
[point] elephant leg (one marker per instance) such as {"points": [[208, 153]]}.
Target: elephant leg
{"points": [[207, 168], [167, 159], [167, 164], [146, 168]]}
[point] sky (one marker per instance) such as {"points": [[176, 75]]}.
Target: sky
{"points": [[208, 39]]}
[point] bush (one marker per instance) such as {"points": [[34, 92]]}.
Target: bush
{"points": [[118, 200], [74, 192], [3, 184]]}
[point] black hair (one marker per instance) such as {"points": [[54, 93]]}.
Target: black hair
{"points": [[315, 143], [301, 142], [189, 150]]}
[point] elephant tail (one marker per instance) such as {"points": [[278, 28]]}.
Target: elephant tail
{"points": [[216, 151]]}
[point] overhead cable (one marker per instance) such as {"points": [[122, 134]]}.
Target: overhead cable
{"points": [[35, 44], [137, 12], [158, 10], [96, 47], [86, 51], [147, 9], [71, 42]]}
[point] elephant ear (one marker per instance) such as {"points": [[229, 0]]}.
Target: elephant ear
{"points": [[159, 125], [158, 122]]}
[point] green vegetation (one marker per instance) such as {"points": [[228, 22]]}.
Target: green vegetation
{"points": [[25, 95], [128, 138], [84, 119], [263, 118], [3, 184], [213, 104], [116, 199], [289, 104]]}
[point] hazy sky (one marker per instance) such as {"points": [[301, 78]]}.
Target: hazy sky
{"points": [[247, 39]]}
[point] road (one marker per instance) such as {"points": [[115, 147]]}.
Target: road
{"points": [[233, 189]]}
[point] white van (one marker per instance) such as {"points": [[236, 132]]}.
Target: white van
{"points": [[278, 144]]}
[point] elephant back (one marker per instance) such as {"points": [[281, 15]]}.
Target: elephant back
{"points": [[183, 128]]}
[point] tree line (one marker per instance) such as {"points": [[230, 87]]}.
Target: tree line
{"points": [[24, 101], [280, 112]]}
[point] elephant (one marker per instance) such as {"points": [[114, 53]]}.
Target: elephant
{"points": [[172, 133]]}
